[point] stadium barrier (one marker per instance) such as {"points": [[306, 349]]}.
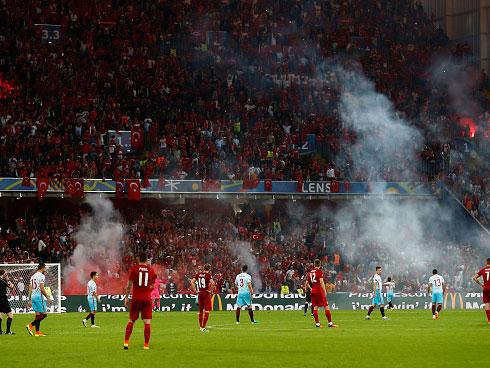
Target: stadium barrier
{"points": [[273, 301]]}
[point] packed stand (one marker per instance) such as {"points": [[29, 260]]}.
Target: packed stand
{"points": [[216, 89], [278, 242]]}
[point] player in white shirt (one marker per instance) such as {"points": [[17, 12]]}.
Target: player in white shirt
{"points": [[38, 298], [245, 292], [437, 286], [92, 298], [390, 287], [378, 294]]}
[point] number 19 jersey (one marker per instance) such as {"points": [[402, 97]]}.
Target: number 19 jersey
{"points": [[143, 279], [203, 281]]}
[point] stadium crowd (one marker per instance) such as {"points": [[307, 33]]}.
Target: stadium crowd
{"points": [[278, 242], [224, 89]]}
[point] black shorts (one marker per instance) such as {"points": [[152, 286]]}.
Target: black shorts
{"points": [[5, 306], [308, 296]]}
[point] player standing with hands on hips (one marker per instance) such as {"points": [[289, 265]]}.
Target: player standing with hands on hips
{"points": [[5, 284], [203, 284], [485, 274], [314, 280]]}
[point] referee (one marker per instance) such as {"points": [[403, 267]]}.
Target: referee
{"points": [[4, 303]]}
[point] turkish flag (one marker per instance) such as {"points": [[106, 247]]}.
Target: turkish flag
{"points": [[136, 137], [134, 190], [257, 235], [161, 182], [26, 181], [74, 187], [299, 186], [268, 185], [42, 187], [346, 186], [211, 185], [250, 183], [334, 186], [119, 189]]}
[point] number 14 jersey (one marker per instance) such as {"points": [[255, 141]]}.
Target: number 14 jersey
{"points": [[143, 278]]}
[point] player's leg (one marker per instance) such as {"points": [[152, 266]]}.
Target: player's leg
{"points": [[487, 311], [382, 311], [201, 312], [248, 301], [207, 306], [146, 315], [1, 320], [92, 319], [134, 311], [10, 316], [328, 314], [239, 304], [370, 310], [486, 300]]}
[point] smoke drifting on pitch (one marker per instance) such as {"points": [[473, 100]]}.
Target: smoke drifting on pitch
{"points": [[99, 241]]}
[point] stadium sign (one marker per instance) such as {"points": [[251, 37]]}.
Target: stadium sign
{"points": [[274, 301]]}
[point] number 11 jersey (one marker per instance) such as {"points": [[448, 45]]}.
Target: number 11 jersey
{"points": [[143, 278]]}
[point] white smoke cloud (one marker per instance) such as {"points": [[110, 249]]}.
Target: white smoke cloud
{"points": [[99, 241], [244, 252]]}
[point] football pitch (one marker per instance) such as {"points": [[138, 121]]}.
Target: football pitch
{"points": [[280, 339]]}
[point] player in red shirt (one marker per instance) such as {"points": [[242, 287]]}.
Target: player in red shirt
{"points": [[315, 283], [485, 274], [203, 284], [141, 280]]}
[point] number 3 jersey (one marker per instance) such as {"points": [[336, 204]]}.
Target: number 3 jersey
{"points": [[143, 278], [203, 281], [241, 281]]}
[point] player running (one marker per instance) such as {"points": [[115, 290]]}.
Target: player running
{"points": [[390, 286], [378, 295], [5, 284], [203, 284], [314, 281], [92, 299], [485, 274], [38, 299], [141, 281], [245, 294], [438, 287]]}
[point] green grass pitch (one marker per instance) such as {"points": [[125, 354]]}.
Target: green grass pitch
{"points": [[280, 339]]}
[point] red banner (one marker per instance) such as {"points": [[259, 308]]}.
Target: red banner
{"points": [[211, 185], [136, 137], [250, 183], [268, 185], [119, 189], [134, 190], [74, 187], [42, 187], [26, 181]]}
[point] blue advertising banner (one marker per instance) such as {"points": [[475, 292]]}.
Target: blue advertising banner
{"points": [[228, 186]]}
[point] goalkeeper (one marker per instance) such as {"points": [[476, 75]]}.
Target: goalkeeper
{"points": [[5, 284]]}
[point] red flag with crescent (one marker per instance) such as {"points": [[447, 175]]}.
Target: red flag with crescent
{"points": [[134, 190], [78, 190], [119, 189], [136, 137], [42, 187]]}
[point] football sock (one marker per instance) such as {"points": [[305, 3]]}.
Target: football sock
{"points": [[311, 308], [158, 304], [201, 317], [439, 307], [306, 307], [205, 319], [88, 316], [371, 308], [147, 333], [315, 314], [251, 314], [433, 309], [391, 305], [488, 314], [1, 324], [238, 314], [382, 310], [92, 319], [329, 315], [129, 331], [9, 323]]}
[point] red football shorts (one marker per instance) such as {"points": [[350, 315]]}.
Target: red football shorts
{"points": [[486, 296], [318, 299], [204, 301], [140, 306]]}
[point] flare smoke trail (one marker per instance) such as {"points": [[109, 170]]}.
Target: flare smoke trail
{"points": [[243, 251], [99, 242]]}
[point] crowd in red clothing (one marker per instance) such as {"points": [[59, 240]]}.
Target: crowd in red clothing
{"points": [[278, 242], [209, 89]]}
